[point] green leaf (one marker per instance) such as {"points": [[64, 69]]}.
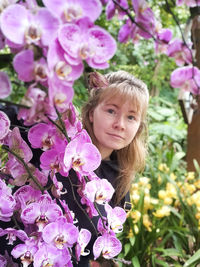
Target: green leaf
{"points": [[132, 240], [127, 248], [161, 263], [193, 259], [135, 262]]}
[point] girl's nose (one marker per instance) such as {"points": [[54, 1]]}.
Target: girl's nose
{"points": [[119, 123]]}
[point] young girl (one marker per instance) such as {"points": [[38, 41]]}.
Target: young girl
{"points": [[115, 118]]}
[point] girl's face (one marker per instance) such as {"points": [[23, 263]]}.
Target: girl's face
{"points": [[115, 124]]}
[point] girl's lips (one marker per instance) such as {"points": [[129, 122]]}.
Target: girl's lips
{"points": [[115, 135]]}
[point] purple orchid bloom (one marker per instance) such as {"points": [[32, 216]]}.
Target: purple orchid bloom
{"points": [[60, 68], [69, 215], [7, 202], [22, 27], [26, 195], [25, 252], [2, 40], [12, 234], [43, 136], [164, 36], [111, 8], [190, 3], [83, 239], [85, 41], [116, 218], [5, 85], [144, 16], [99, 191], [128, 31], [180, 52], [34, 98], [48, 255], [81, 154], [71, 10], [60, 233], [19, 146], [28, 69], [107, 245], [4, 125], [41, 213], [60, 94], [187, 78]]}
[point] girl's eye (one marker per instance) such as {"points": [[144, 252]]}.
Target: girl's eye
{"points": [[131, 118], [111, 111]]}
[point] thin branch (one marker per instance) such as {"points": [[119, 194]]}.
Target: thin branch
{"points": [[62, 124], [132, 19], [82, 208], [13, 104], [25, 166]]}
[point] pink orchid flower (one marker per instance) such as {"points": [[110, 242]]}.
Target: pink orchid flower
{"points": [[81, 154], [41, 213], [99, 191], [5, 85], [116, 218], [187, 78], [19, 146], [25, 195], [4, 125], [7, 202], [48, 255], [106, 245], [180, 52], [25, 252], [83, 239], [60, 68], [190, 3], [128, 31], [95, 45], [22, 27], [28, 69], [35, 99], [111, 9], [71, 10], [163, 38], [12, 235], [60, 233], [144, 16]]}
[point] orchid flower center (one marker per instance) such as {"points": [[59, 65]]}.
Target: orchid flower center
{"points": [[41, 221], [40, 72], [72, 12], [47, 142], [55, 165], [26, 258], [77, 163], [85, 51], [60, 99], [47, 263], [106, 253], [62, 70], [33, 34], [60, 241]]}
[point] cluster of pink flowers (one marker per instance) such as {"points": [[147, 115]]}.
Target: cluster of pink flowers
{"points": [[144, 25], [50, 45]]}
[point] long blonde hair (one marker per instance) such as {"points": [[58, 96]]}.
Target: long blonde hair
{"points": [[131, 159]]}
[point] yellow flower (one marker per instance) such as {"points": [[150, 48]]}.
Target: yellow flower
{"points": [[163, 168], [190, 176], [135, 215], [147, 202], [173, 176], [130, 234], [162, 212], [143, 181], [136, 229], [168, 201], [171, 190], [197, 215], [159, 179], [197, 184], [162, 194], [135, 197], [147, 223]]}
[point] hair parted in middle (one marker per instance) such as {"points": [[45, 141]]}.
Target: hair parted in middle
{"points": [[131, 159]]}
